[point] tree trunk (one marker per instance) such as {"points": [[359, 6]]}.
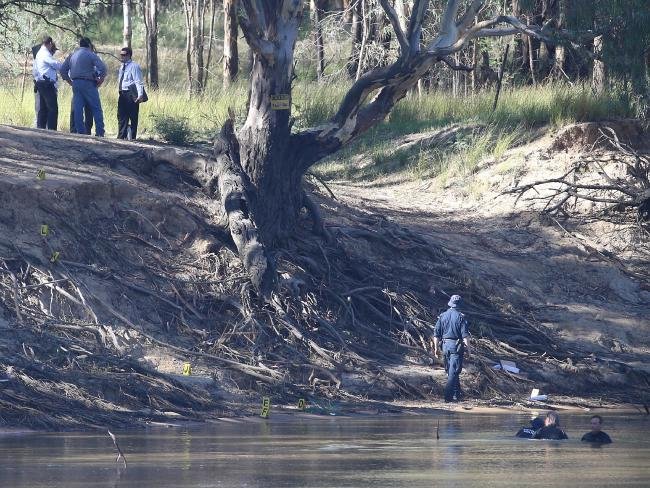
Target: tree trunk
{"points": [[151, 33], [519, 44], [474, 61], [213, 14], [357, 35], [188, 10], [195, 11], [365, 34], [347, 11], [531, 60], [198, 44], [267, 157], [315, 10], [599, 76], [230, 52], [127, 31], [560, 53]]}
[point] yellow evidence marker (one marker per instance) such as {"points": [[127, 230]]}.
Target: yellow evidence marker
{"points": [[301, 404], [45, 230], [55, 256], [41, 174], [187, 369], [266, 407]]}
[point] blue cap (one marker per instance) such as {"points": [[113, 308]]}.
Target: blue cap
{"points": [[537, 423], [455, 301]]}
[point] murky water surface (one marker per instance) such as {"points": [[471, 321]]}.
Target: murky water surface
{"points": [[396, 452]]}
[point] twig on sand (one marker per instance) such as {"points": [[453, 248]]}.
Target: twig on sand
{"points": [[120, 454]]}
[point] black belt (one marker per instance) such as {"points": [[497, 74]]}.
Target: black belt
{"points": [[85, 79]]}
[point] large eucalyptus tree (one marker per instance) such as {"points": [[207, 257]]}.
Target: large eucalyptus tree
{"points": [[259, 167]]}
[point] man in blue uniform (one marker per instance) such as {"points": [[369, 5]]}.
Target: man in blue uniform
{"points": [[452, 336], [85, 72]]}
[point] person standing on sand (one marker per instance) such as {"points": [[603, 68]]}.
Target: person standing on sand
{"points": [[451, 334], [596, 435]]}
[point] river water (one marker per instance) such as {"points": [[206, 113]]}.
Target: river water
{"points": [[474, 450]]}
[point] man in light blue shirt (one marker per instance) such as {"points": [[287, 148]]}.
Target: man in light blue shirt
{"points": [[44, 72], [85, 71], [131, 88]]}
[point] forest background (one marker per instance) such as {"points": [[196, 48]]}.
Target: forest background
{"points": [[197, 65]]}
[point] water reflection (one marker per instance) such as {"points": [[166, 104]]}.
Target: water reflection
{"points": [[397, 452]]}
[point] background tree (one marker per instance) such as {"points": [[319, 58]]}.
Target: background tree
{"points": [[230, 35], [196, 12], [150, 11], [127, 31], [316, 9]]}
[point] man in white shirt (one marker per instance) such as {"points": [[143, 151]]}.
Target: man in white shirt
{"points": [[45, 70], [128, 108]]}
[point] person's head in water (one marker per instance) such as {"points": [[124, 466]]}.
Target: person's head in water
{"points": [[537, 423], [552, 419], [596, 423], [455, 301]]}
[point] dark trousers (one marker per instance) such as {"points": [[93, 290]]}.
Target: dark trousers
{"points": [[127, 111], [453, 366], [37, 104], [88, 119], [48, 106]]}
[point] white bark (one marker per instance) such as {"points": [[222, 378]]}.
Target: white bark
{"points": [[126, 15]]}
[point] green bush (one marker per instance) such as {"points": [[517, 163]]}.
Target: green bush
{"points": [[175, 130]]}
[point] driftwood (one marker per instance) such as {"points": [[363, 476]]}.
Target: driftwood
{"points": [[120, 454], [617, 194]]}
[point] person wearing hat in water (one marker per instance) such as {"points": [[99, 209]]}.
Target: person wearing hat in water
{"points": [[451, 335], [596, 435], [529, 432]]}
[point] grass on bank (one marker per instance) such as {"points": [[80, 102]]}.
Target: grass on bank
{"points": [[376, 153]]}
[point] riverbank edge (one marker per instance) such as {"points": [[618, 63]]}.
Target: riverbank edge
{"points": [[288, 413]]}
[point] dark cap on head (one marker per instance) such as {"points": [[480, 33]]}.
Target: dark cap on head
{"points": [[85, 42], [47, 39], [537, 423], [455, 301]]}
